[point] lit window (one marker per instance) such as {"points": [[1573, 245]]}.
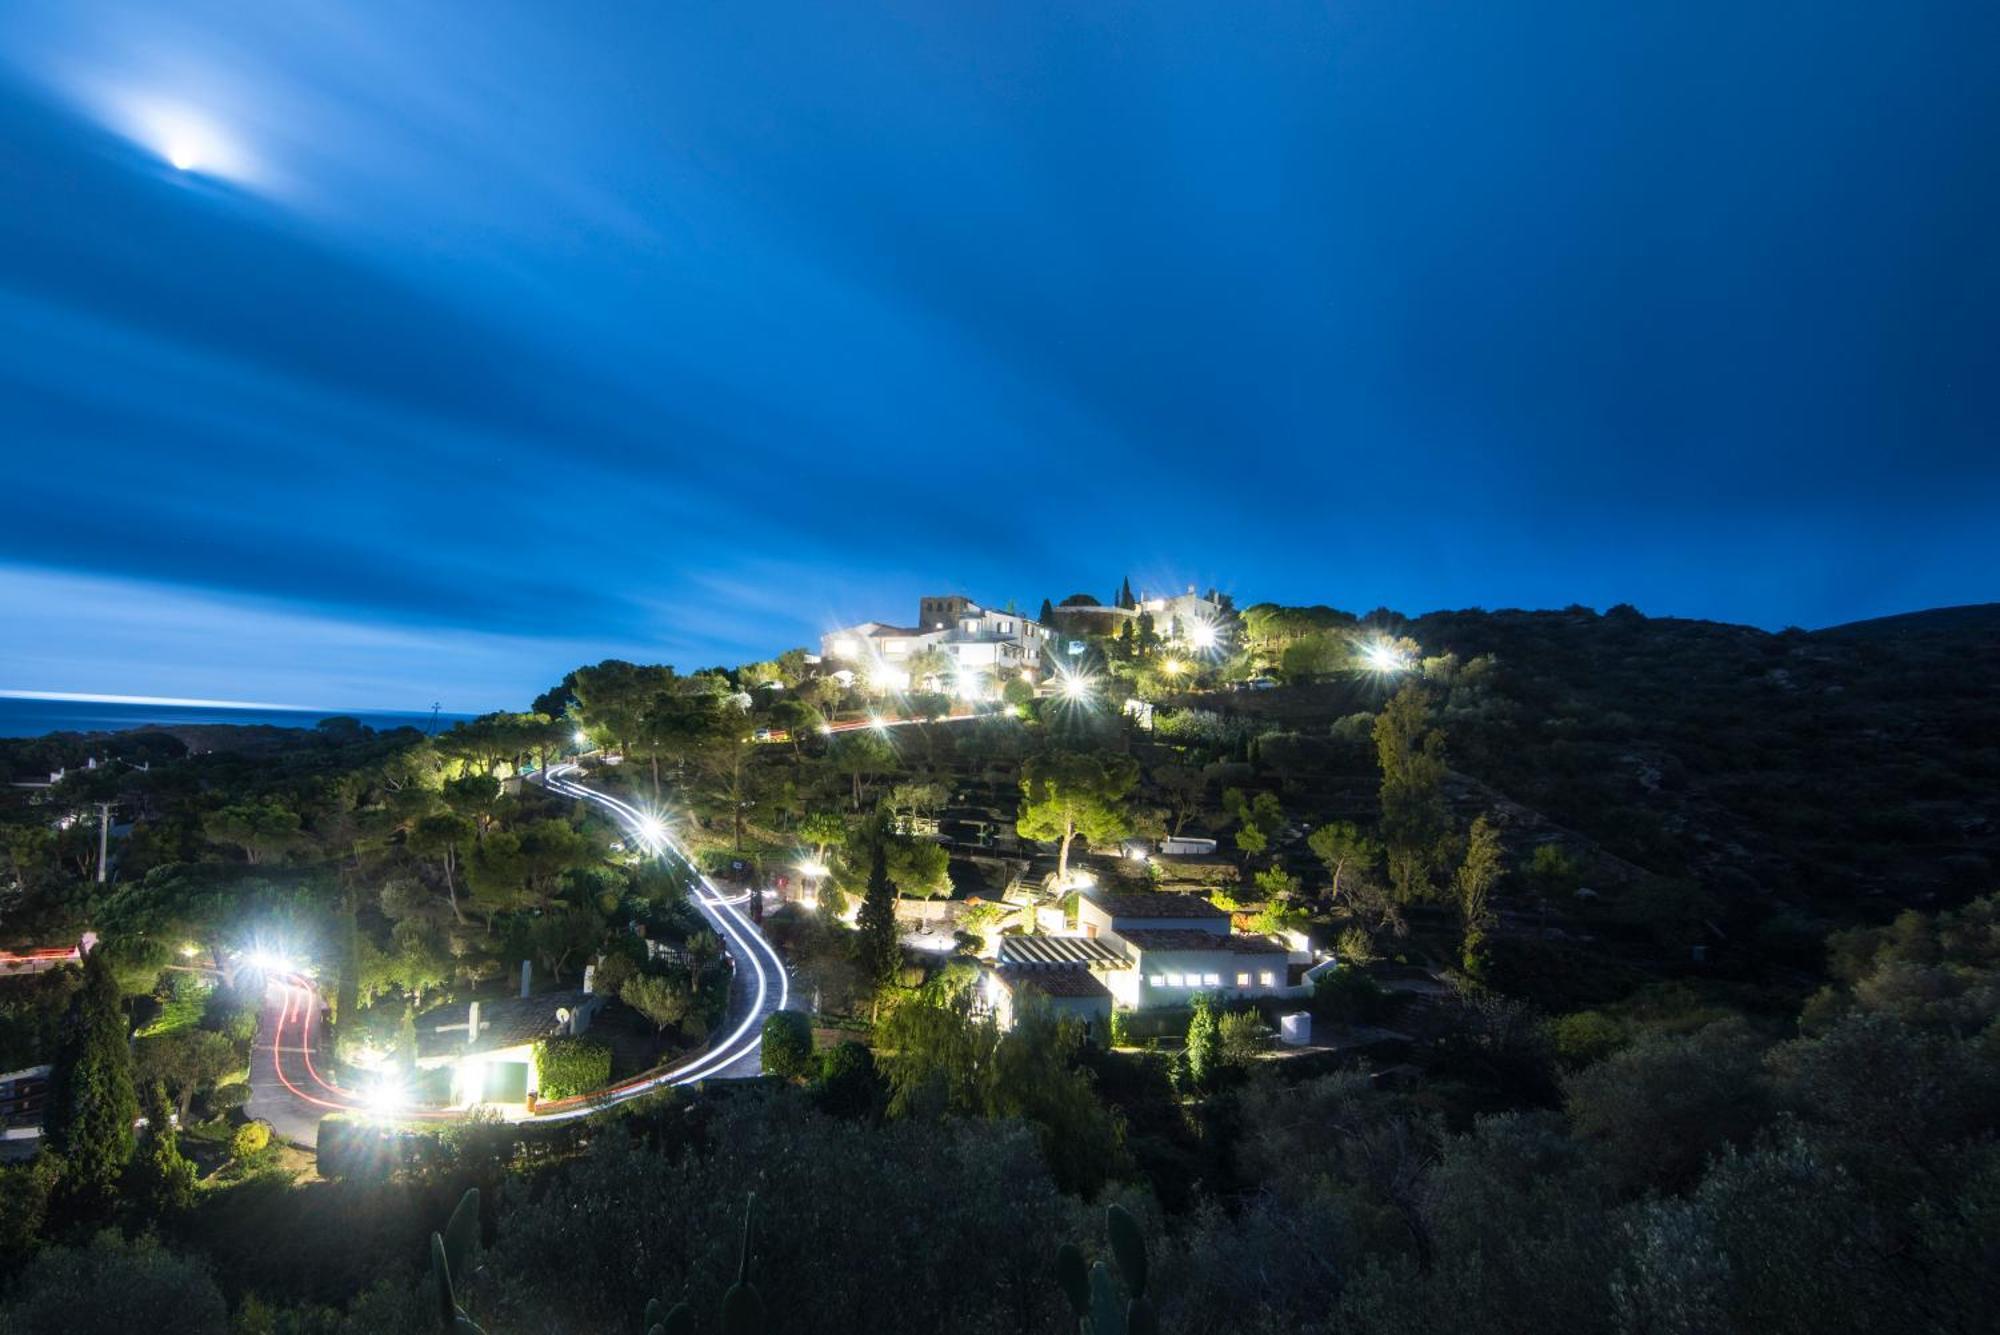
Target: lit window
{"points": [[1173, 980], [1158, 980], [1267, 979], [1243, 980], [1211, 980]]}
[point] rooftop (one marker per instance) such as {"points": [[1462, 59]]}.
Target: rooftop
{"points": [[1155, 904], [1062, 952], [504, 1022], [1188, 938], [1053, 982]]}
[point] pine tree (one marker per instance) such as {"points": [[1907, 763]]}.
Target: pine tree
{"points": [[879, 950], [1125, 598], [91, 1104], [1048, 616]]}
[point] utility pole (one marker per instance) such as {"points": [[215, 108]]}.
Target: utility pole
{"points": [[103, 842]]}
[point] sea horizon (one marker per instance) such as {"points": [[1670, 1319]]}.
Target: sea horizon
{"points": [[39, 714]]}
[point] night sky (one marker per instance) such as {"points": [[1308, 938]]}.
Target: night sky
{"points": [[478, 340]]}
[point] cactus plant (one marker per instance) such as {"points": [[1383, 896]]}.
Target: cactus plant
{"points": [[743, 1306], [1094, 1296], [451, 1255]]}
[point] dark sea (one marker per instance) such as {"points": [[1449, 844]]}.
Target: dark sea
{"points": [[33, 718]]}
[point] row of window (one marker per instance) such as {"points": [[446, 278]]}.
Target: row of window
{"points": [[1264, 979]]}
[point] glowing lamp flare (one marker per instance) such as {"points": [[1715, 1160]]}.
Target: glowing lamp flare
{"points": [[1384, 657]]}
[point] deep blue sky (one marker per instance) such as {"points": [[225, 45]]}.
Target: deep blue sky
{"points": [[482, 339]]}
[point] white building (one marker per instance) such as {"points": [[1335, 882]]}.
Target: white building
{"points": [[489, 1046], [1183, 618], [981, 644], [1147, 949]]}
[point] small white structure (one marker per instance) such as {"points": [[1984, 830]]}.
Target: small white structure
{"points": [[1187, 846], [1295, 1030]]}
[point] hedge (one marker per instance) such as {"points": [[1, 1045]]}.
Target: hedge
{"points": [[565, 1067], [788, 1045]]}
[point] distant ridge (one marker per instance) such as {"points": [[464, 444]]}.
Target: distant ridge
{"points": [[1971, 618]]}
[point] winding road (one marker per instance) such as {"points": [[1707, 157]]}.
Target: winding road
{"points": [[288, 1090]]}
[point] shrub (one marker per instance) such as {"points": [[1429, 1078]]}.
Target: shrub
{"points": [[788, 1045], [849, 1085], [225, 1098], [1350, 996], [565, 1067], [1243, 1035], [1586, 1036], [1121, 1029], [251, 1139]]}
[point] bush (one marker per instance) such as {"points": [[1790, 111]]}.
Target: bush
{"points": [[1243, 1035], [115, 1285], [225, 1098], [566, 1067], [1350, 996], [1121, 1029], [1586, 1036], [788, 1045], [849, 1085], [251, 1139]]}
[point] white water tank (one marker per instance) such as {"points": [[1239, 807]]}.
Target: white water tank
{"points": [[1295, 1030]]}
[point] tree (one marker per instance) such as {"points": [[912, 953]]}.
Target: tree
{"points": [[879, 950], [186, 1061], [1342, 846], [824, 831], [1204, 1041], [921, 870], [166, 1178], [91, 1104], [1260, 817], [1185, 788], [788, 1045], [560, 935], [1415, 823], [661, 1000], [1071, 793], [444, 836], [861, 755], [1477, 875], [264, 829]]}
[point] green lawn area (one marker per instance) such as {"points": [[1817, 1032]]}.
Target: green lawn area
{"points": [[181, 1010]]}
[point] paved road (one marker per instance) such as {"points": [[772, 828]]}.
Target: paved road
{"points": [[289, 1090]]}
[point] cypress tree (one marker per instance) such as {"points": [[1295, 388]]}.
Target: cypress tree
{"points": [[91, 1104], [166, 1177], [880, 952]]}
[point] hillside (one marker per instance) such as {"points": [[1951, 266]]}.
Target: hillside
{"points": [[1805, 770]]}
